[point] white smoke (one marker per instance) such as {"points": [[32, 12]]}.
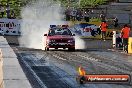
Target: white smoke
{"points": [[79, 43], [36, 20]]}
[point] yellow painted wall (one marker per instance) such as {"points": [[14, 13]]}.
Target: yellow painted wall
{"points": [[130, 45]]}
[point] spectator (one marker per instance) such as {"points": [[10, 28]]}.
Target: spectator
{"points": [[73, 13], [12, 14], [93, 32], [98, 31], [86, 17], [118, 41], [102, 16], [78, 16], [125, 35], [103, 27], [115, 22], [8, 11], [67, 13], [81, 14], [2, 11]]}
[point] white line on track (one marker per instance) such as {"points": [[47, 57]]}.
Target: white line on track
{"points": [[96, 62]]}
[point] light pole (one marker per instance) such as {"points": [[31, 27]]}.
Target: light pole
{"points": [[79, 2]]}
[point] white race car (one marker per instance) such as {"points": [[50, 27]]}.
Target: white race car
{"points": [[85, 29]]}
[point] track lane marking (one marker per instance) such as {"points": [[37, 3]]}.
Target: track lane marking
{"points": [[98, 63]]}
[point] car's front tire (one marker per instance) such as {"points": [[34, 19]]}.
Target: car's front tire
{"points": [[71, 49], [56, 48], [46, 49]]}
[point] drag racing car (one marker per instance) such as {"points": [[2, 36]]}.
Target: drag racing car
{"points": [[86, 29], [60, 37]]}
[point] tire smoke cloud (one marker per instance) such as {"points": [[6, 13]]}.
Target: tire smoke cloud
{"points": [[36, 20]]}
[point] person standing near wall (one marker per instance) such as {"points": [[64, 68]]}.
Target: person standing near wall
{"points": [[115, 22], [103, 27], [78, 15], [12, 14], [86, 16], [74, 12], [102, 16], [8, 11], [67, 13], [2, 11], [125, 35]]}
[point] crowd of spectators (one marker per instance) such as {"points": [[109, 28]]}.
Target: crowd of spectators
{"points": [[77, 14], [85, 15], [82, 14]]}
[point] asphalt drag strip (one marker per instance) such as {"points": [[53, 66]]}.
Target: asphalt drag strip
{"points": [[58, 68], [89, 59], [44, 73]]}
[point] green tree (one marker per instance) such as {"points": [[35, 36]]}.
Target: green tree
{"points": [[15, 6], [92, 3], [71, 3]]}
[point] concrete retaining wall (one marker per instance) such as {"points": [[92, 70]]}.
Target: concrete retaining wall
{"points": [[1, 70], [98, 44], [13, 75]]}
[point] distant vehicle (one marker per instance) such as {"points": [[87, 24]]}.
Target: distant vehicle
{"points": [[60, 37], [85, 28]]}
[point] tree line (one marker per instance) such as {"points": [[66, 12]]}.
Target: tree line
{"points": [[16, 5]]}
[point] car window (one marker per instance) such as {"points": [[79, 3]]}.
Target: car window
{"points": [[59, 31]]}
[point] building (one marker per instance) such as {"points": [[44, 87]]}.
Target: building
{"points": [[125, 1]]}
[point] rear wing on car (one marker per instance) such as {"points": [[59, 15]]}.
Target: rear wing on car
{"points": [[52, 26], [61, 26]]}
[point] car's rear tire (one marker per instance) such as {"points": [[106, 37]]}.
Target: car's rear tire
{"points": [[73, 49]]}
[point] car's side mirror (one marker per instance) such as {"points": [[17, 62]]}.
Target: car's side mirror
{"points": [[73, 34], [45, 34]]}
